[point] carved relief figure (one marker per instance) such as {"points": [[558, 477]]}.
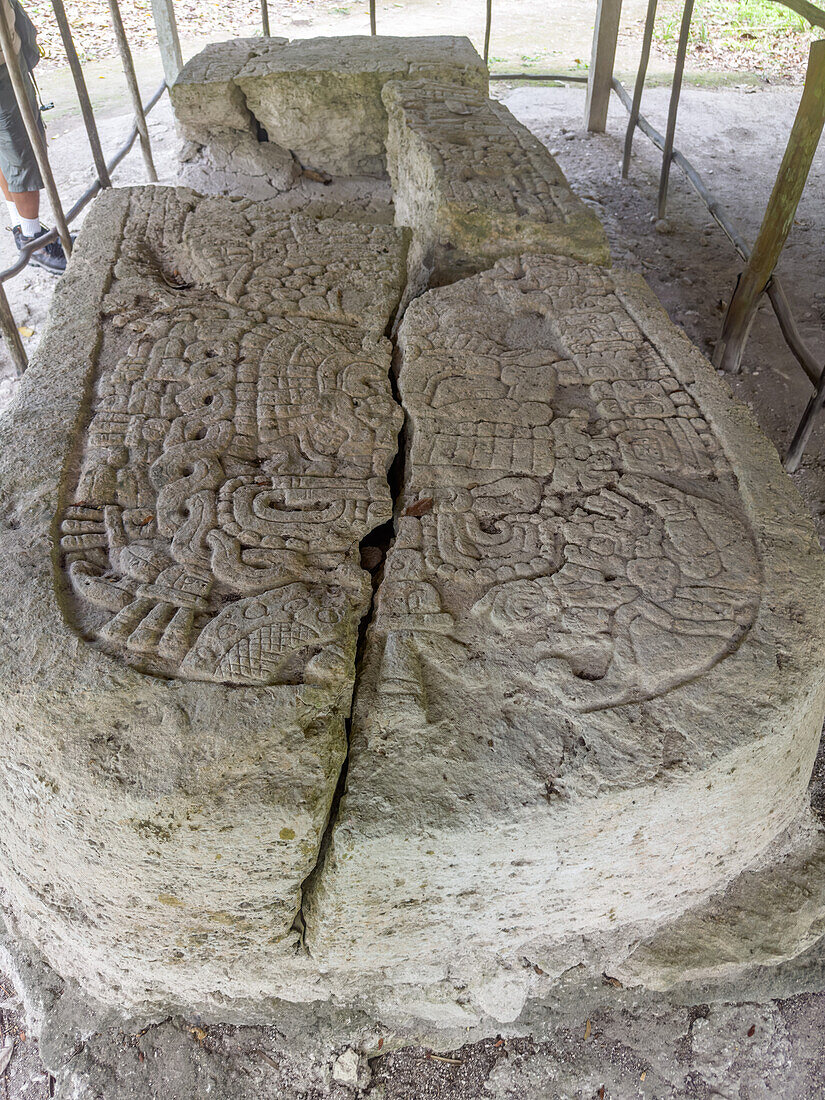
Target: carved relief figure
{"points": [[586, 532], [233, 460]]}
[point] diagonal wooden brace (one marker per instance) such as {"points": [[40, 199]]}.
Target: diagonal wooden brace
{"points": [[779, 215]]}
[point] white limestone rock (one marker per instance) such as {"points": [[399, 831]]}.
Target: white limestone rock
{"points": [[321, 97], [205, 97], [475, 185], [194, 454], [236, 163], [593, 685], [222, 151]]}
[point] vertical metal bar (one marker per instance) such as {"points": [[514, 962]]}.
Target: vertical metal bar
{"points": [[168, 41], [82, 93], [675, 92], [647, 39], [265, 18], [372, 17], [11, 335], [32, 128], [779, 214], [134, 90], [487, 29], [602, 58]]}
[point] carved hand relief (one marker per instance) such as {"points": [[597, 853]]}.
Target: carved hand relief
{"points": [[232, 462], [586, 533]]}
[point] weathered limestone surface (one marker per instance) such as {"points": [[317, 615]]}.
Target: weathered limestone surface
{"points": [[592, 689], [475, 185], [193, 458], [205, 96], [222, 152], [321, 97]]}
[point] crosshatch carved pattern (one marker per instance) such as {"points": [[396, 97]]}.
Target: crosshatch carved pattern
{"points": [[237, 447], [574, 520]]}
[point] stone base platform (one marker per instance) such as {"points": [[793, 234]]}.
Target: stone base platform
{"points": [[590, 694]]}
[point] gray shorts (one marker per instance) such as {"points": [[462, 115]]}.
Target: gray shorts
{"points": [[17, 160]]}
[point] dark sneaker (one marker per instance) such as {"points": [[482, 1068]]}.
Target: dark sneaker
{"points": [[50, 256]]}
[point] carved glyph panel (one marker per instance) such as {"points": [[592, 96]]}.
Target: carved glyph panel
{"points": [[237, 445], [570, 516]]}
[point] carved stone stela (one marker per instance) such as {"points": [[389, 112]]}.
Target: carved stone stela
{"points": [[579, 694], [235, 455], [586, 529]]}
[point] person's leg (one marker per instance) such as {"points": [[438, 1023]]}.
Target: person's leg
{"points": [[24, 208], [21, 180]]}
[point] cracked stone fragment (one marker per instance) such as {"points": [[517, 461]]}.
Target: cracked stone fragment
{"points": [[592, 689], [205, 97], [195, 454], [475, 185], [222, 150], [321, 97]]}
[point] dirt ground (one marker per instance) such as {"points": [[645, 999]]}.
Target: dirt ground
{"points": [[735, 135]]}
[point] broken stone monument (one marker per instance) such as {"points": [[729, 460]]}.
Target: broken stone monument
{"points": [[185, 481], [254, 112], [591, 693], [589, 689], [475, 185]]}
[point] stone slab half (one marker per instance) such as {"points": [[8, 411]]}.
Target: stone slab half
{"points": [[592, 690], [475, 185], [321, 97], [193, 456]]}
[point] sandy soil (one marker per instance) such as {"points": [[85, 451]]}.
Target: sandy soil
{"points": [[735, 137]]}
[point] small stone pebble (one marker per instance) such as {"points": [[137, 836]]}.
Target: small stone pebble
{"points": [[662, 225]]}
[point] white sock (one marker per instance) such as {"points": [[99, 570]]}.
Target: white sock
{"points": [[15, 217], [30, 227]]}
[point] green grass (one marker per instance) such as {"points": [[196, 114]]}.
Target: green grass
{"points": [[755, 35], [741, 15]]}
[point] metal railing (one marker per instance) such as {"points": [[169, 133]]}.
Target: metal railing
{"points": [[103, 168]]}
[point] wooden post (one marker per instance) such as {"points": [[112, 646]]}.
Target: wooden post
{"points": [[779, 216], [11, 335], [487, 27], [602, 58], [673, 109], [639, 86], [372, 17], [134, 90], [82, 93], [265, 18], [168, 41]]}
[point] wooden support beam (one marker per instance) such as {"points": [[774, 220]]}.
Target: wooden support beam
{"points": [[647, 39], [602, 58], [779, 215], [134, 91], [673, 109], [168, 41], [82, 93]]}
